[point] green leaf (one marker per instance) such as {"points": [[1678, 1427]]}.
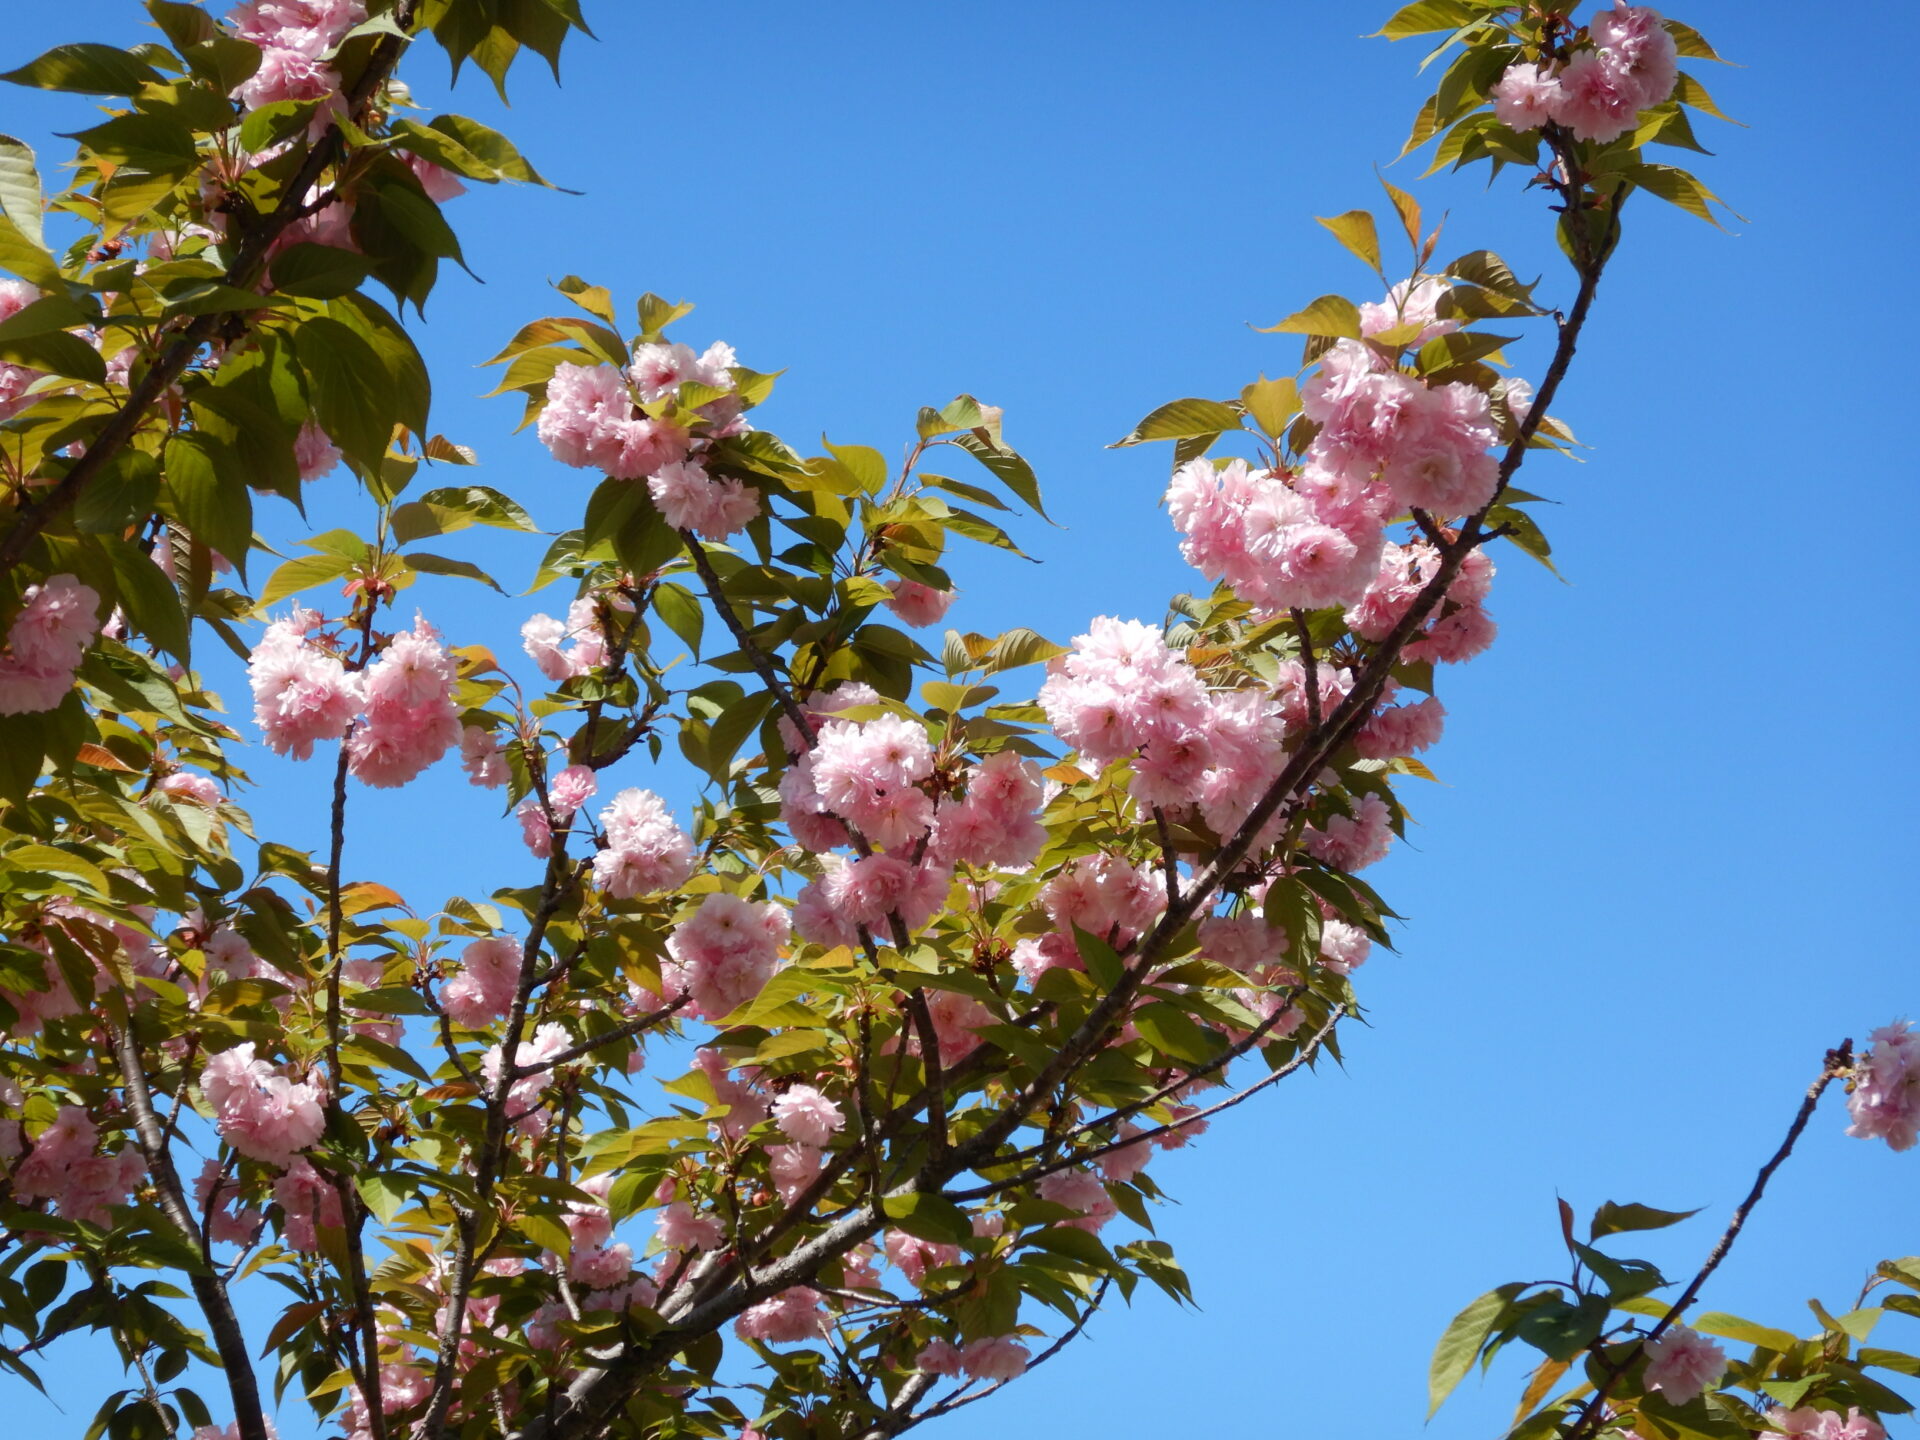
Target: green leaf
{"points": [[1354, 229], [1426, 17], [148, 597], [156, 143], [493, 148], [20, 199], [681, 612], [301, 573], [1016, 648], [1612, 1219], [86, 70], [28, 258], [657, 314], [1460, 1343], [1404, 205], [929, 1217], [384, 1193], [1271, 403], [1102, 961], [1180, 419], [318, 272], [429, 564], [1677, 187], [210, 496], [1004, 465], [1172, 1031], [1332, 316], [348, 382], [1732, 1327], [594, 299], [863, 462]]}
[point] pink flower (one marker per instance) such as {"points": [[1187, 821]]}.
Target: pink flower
{"points": [[1357, 841], [45, 644], [1825, 1424], [680, 1229], [440, 183], [308, 1202], [914, 1257], [287, 75], [660, 369], [1681, 1364], [228, 1222], [488, 980], [1410, 303], [689, 499], [301, 693], [792, 1168], [1635, 43], [1082, 1191], [482, 758], [197, 788], [258, 1111], [807, 1116], [1001, 1357], [411, 720], [1525, 97], [1597, 101], [63, 1168], [939, 1357], [589, 421], [1885, 1103], [647, 852], [569, 790], [791, 1315], [917, 604], [725, 953], [314, 451]]}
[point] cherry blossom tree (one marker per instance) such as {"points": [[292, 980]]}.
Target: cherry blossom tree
{"points": [[838, 1084]]}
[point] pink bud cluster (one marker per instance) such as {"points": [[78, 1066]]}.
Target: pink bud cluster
{"points": [[258, 1110], [295, 38], [303, 693], [63, 1168], [45, 644], [1598, 94], [1885, 1103]]}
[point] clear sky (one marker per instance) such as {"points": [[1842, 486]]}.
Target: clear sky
{"points": [[1670, 860]]}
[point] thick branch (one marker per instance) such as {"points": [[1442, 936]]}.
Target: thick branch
{"points": [[208, 1288]]}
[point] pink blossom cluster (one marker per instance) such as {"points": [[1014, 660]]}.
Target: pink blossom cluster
{"points": [[791, 1315], [997, 823], [1355, 841], [585, 643], [743, 1105], [259, 1111], [647, 853], [483, 758], [589, 422], [295, 38], [523, 1095], [1458, 629], [724, 953], [691, 499], [1122, 693], [308, 1204], [1083, 1192], [488, 980], [303, 693], [1885, 1103], [230, 1431], [566, 793], [1414, 303], [15, 296], [806, 1116], [411, 720], [45, 644], [1598, 94], [1682, 1363], [63, 1168], [1811, 1424], [996, 1357]]}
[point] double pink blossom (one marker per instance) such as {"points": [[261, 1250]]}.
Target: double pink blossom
{"points": [[45, 643], [724, 953], [259, 1111]]}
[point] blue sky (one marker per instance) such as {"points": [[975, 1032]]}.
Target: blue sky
{"points": [[1669, 861]]}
